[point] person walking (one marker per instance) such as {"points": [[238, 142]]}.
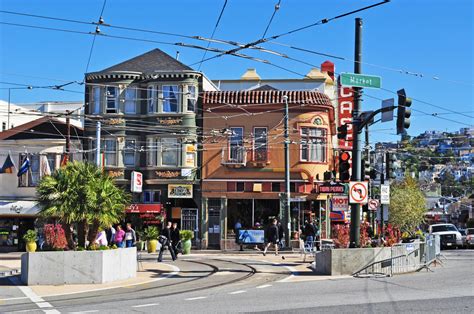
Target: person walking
{"points": [[175, 239], [165, 241], [130, 236], [110, 232], [119, 237], [309, 234], [101, 238], [281, 233], [272, 237]]}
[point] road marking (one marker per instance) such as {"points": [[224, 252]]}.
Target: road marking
{"points": [[90, 311], [175, 271], [238, 292], [37, 300], [145, 305], [196, 298], [263, 286]]}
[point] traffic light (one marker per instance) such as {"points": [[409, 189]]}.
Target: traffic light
{"points": [[344, 166], [390, 166], [342, 132], [403, 112], [367, 170]]}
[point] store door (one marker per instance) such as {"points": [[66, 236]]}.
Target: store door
{"points": [[189, 221], [214, 228]]}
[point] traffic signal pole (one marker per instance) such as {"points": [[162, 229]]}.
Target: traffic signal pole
{"points": [[287, 215], [357, 142]]}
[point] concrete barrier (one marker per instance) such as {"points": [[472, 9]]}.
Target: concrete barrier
{"points": [[78, 267], [347, 261]]}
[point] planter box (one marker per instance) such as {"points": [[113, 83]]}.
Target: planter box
{"points": [[347, 261], [78, 267]]}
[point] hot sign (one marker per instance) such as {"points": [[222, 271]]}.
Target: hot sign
{"points": [[340, 203]]}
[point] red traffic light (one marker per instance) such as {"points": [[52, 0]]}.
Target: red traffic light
{"points": [[345, 156]]}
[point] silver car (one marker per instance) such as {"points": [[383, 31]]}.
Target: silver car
{"points": [[469, 242]]}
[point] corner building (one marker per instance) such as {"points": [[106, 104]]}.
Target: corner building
{"points": [[243, 158], [148, 108]]}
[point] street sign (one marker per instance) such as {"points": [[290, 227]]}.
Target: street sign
{"points": [[340, 203], [385, 194], [373, 204], [387, 115], [136, 182], [358, 192], [332, 188], [360, 80]]}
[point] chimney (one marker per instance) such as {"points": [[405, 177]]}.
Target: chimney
{"points": [[250, 75], [328, 66]]}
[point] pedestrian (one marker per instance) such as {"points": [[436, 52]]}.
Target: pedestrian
{"points": [[130, 236], [165, 241], [237, 228], [309, 233], [110, 232], [175, 239], [272, 237], [101, 238], [281, 233], [119, 237]]}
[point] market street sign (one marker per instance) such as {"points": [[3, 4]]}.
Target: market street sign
{"points": [[360, 80]]}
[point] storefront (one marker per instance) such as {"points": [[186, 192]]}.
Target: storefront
{"points": [[16, 217]]}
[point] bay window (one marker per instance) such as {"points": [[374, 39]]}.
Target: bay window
{"points": [[164, 152], [130, 100], [129, 152], [96, 92], [313, 144], [150, 98], [111, 97], [110, 152], [170, 98], [192, 98]]}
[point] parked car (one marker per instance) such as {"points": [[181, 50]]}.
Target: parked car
{"points": [[463, 236], [469, 238], [449, 235]]}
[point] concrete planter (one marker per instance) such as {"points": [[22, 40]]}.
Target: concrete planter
{"points": [[347, 261], [78, 267]]}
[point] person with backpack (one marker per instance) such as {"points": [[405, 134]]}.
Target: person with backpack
{"points": [[272, 237]]}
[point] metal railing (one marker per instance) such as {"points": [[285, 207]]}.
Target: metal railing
{"points": [[404, 258], [235, 155]]}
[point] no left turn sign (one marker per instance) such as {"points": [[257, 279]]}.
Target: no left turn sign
{"points": [[358, 192]]}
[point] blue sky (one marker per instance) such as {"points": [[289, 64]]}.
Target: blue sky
{"points": [[432, 38]]}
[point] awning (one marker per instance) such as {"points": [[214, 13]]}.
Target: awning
{"points": [[144, 209], [19, 208]]}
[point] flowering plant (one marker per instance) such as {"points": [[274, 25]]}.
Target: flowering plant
{"points": [[341, 236], [55, 237]]}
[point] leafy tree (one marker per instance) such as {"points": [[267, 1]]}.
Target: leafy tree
{"points": [[81, 193], [407, 205]]}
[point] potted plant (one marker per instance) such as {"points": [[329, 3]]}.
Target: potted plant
{"points": [[186, 236], [150, 234], [30, 238]]}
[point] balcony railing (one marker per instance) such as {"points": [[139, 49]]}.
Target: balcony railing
{"points": [[260, 155], [234, 156]]}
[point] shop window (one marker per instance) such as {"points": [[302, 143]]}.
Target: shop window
{"points": [[313, 144], [240, 186], [130, 100], [276, 187], [111, 97], [170, 98]]}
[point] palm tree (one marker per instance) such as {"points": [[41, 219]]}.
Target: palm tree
{"points": [[81, 193]]}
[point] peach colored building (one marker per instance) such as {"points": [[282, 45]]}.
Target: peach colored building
{"points": [[243, 158]]}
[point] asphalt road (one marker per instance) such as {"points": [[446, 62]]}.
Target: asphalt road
{"points": [[221, 285]]}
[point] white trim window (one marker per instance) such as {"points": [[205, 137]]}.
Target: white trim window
{"points": [[313, 144], [32, 176], [151, 99], [192, 98], [170, 98], [129, 152], [110, 152], [236, 144], [130, 100], [96, 92], [111, 96], [169, 152], [260, 144]]}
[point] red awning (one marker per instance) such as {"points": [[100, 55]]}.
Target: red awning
{"points": [[144, 208]]}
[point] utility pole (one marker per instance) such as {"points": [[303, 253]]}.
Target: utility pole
{"points": [[367, 156], [356, 146], [68, 135], [287, 214], [382, 206], [97, 155], [8, 114]]}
